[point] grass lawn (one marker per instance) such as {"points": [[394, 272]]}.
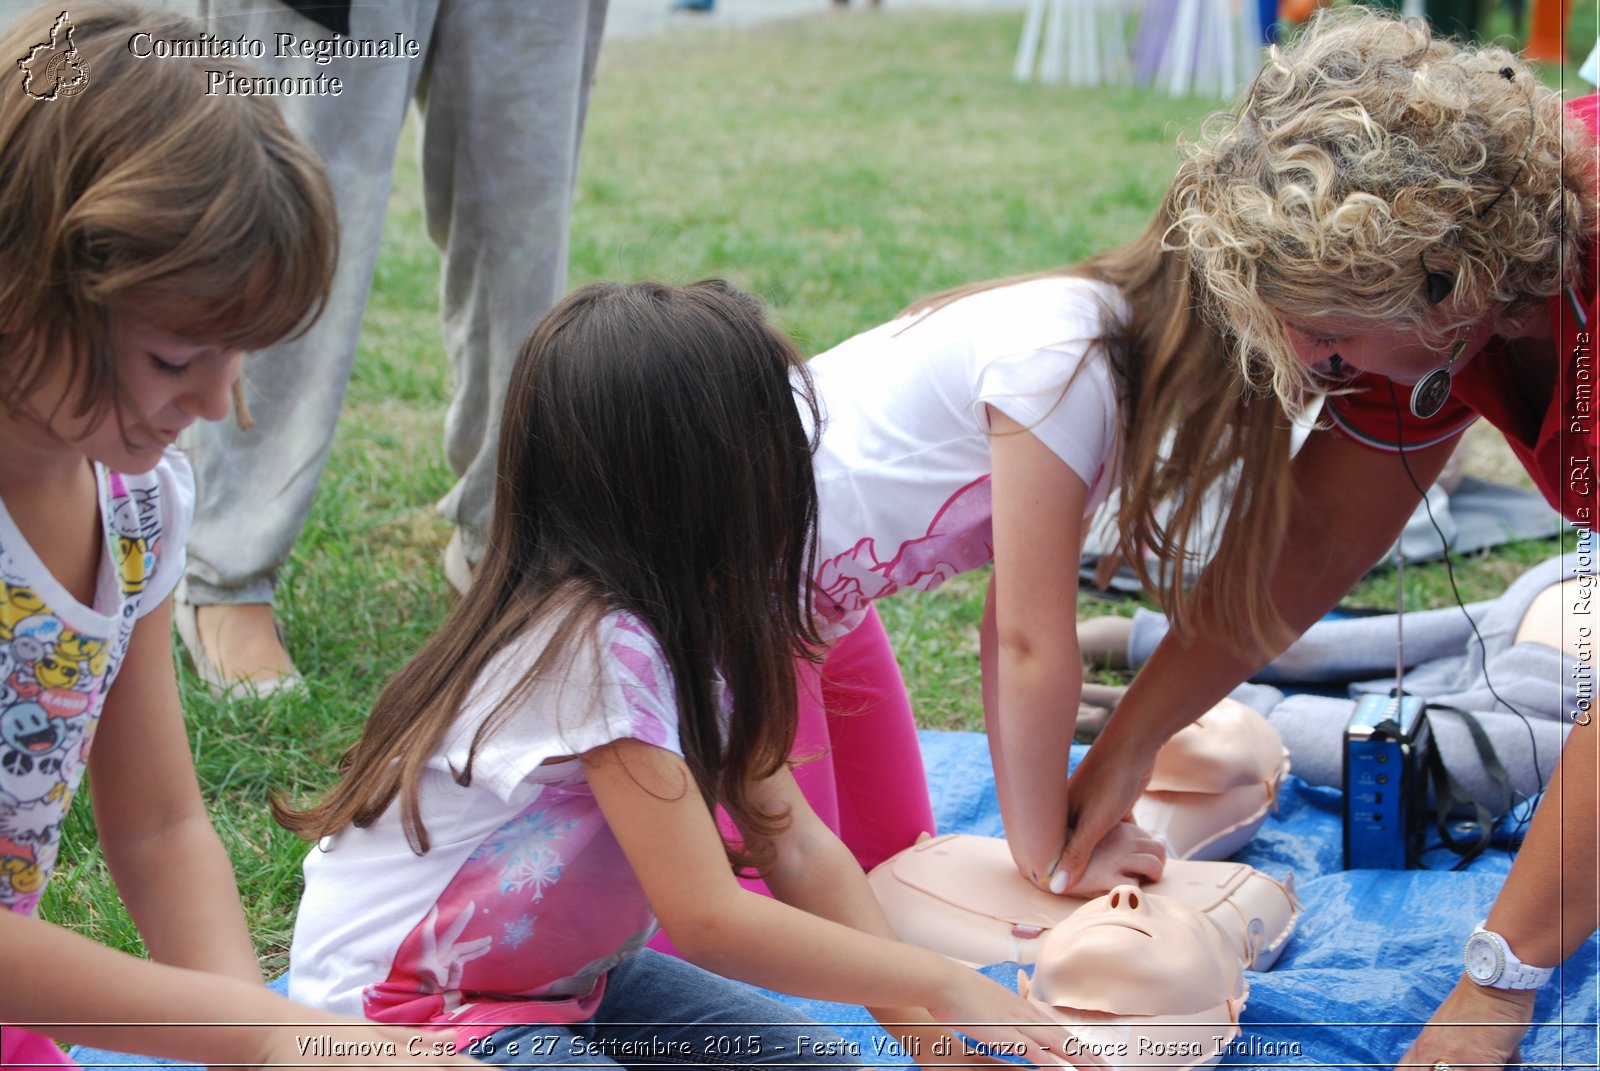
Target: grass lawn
{"points": [[840, 168]]}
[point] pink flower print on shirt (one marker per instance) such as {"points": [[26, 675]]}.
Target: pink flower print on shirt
{"points": [[848, 582], [959, 538]]}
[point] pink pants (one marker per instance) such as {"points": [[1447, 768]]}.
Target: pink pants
{"points": [[857, 758], [860, 766]]}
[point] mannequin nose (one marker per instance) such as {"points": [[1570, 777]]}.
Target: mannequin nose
{"points": [[1129, 898]]}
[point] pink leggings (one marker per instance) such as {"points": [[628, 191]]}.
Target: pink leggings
{"points": [[858, 761], [860, 765]]}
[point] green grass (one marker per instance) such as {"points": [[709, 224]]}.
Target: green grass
{"points": [[840, 168]]}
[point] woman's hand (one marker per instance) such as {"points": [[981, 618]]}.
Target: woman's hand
{"points": [[1100, 795], [1476, 1026], [1125, 855]]}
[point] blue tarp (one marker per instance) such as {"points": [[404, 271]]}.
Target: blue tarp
{"points": [[1373, 955]]}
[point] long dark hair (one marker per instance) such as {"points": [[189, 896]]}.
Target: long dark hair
{"points": [[653, 459]]}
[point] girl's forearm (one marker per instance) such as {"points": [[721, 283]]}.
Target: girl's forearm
{"points": [[78, 991], [1031, 709], [810, 850], [179, 888], [773, 945], [845, 897], [823, 905]]}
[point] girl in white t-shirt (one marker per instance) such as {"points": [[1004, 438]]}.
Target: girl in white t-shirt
{"points": [[148, 235], [986, 425], [537, 786]]}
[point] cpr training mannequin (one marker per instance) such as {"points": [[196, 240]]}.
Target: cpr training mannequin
{"points": [[1213, 785], [1520, 648], [1142, 980]]}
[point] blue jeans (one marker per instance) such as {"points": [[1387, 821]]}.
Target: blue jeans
{"points": [[660, 1011]]}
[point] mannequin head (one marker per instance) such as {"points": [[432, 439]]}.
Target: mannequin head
{"points": [[1227, 746], [1558, 618], [1136, 953]]}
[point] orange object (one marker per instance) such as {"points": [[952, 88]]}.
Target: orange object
{"points": [[1293, 11], [1547, 32]]}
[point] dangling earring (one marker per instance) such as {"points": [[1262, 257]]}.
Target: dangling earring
{"points": [[1433, 389]]}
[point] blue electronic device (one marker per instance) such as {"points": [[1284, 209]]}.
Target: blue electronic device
{"points": [[1385, 766], [1385, 785]]}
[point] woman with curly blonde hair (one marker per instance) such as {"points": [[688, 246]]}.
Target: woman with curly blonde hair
{"points": [[1407, 225]]}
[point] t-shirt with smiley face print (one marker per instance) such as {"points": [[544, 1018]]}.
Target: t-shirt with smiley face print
{"points": [[58, 658]]}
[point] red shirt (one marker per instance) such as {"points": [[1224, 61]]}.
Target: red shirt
{"points": [[1552, 431]]}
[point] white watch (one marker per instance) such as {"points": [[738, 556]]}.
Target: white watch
{"points": [[1490, 962]]}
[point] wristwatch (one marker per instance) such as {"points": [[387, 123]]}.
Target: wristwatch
{"points": [[1490, 962]]}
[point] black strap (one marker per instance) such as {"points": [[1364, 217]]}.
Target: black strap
{"points": [[1447, 791]]}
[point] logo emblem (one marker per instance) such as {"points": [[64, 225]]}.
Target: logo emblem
{"points": [[53, 69]]}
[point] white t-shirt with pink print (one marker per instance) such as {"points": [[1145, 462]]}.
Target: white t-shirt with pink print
{"points": [[903, 468], [524, 900]]}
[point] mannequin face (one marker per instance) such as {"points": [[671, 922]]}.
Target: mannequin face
{"points": [[1228, 745], [1558, 617], [1135, 953]]}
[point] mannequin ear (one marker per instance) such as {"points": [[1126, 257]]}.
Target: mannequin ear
{"points": [[1023, 984]]}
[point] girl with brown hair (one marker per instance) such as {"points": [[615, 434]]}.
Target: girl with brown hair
{"points": [[537, 787], [149, 234]]}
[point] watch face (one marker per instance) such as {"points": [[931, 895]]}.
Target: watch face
{"points": [[1484, 959]]}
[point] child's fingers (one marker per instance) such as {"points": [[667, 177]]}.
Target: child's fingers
{"points": [[1146, 858], [1037, 1037], [1101, 793], [1055, 1046]]}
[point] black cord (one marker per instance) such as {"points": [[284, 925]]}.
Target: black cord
{"points": [[1455, 591]]}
